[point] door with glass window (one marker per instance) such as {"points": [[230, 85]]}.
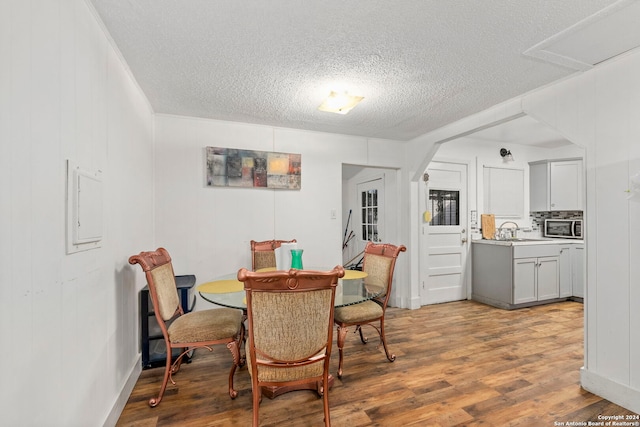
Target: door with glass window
{"points": [[368, 218], [444, 247], [370, 202], [370, 214]]}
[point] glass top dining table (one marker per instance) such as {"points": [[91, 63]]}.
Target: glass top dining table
{"points": [[228, 291]]}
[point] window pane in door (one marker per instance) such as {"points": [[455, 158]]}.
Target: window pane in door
{"points": [[444, 205], [369, 214]]}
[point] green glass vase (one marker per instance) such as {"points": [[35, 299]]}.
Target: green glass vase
{"points": [[296, 259]]}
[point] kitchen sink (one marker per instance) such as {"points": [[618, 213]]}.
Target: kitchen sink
{"points": [[522, 240], [517, 241]]}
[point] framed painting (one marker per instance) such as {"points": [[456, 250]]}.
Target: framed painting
{"points": [[231, 167]]}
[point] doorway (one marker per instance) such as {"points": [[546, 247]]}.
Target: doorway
{"points": [[444, 246], [370, 209]]}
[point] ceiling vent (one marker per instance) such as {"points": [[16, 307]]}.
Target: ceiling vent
{"points": [[608, 33]]}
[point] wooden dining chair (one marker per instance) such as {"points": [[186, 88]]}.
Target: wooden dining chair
{"points": [[290, 317], [263, 253], [379, 264], [197, 329]]}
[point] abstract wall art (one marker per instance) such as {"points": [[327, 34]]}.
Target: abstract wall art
{"points": [[230, 167]]}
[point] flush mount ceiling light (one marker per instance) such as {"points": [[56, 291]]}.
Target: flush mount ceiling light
{"points": [[340, 102]]}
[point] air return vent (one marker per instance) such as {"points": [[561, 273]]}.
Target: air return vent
{"points": [[608, 33]]}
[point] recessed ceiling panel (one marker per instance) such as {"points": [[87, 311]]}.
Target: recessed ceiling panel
{"points": [[604, 35]]}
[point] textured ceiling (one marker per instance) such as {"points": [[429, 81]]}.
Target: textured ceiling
{"points": [[420, 64]]}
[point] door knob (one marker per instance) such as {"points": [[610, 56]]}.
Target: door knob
{"points": [[464, 240]]}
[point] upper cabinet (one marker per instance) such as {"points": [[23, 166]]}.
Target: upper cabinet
{"points": [[504, 191], [556, 185]]}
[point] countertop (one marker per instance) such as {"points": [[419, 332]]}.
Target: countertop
{"points": [[527, 241]]}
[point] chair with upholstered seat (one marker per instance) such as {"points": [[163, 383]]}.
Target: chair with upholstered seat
{"points": [[379, 264], [263, 253], [198, 329], [290, 317]]}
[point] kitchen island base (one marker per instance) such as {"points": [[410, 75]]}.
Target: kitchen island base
{"points": [[508, 306], [512, 275]]}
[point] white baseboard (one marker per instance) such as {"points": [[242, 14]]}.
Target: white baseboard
{"points": [[121, 400], [415, 303], [410, 303], [617, 393]]}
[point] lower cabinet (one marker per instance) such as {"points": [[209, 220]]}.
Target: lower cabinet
{"points": [[515, 276], [572, 270], [577, 270], [536, 279], [566, 271]]}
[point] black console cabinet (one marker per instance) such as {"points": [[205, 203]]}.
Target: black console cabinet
{"points": [[154, 352]]}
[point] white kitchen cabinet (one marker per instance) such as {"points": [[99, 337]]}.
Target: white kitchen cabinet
{"points": [[577, 264], [535, 279], [565, 185], [504, 191], [556, 185], [539, 187], [524, 280], [513, 276], [566, 271], [548, 278], [572, 270]]}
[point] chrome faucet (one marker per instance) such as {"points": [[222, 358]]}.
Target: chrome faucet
{"points": [[510, 230]]}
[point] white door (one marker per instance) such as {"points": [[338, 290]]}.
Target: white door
{"points": [[371, 212], [368, 217], [444, 247]]}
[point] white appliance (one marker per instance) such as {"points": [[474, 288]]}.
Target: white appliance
{"points": [[563, 228]]}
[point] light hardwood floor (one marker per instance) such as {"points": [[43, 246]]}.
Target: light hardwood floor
{"points": [[458, 364]]}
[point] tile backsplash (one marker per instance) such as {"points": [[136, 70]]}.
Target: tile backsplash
{"points": [[537, 218]]}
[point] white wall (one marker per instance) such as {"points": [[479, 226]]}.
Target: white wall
{"points": [[599, 110], [480, 153], [208, 229], [69, 323]]}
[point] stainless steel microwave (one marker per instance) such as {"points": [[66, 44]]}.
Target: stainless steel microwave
{"points": [[563, 228]]}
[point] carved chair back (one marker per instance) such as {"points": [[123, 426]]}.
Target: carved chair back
{"points": [[379, 264], [290, 318], [263, 253]]}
